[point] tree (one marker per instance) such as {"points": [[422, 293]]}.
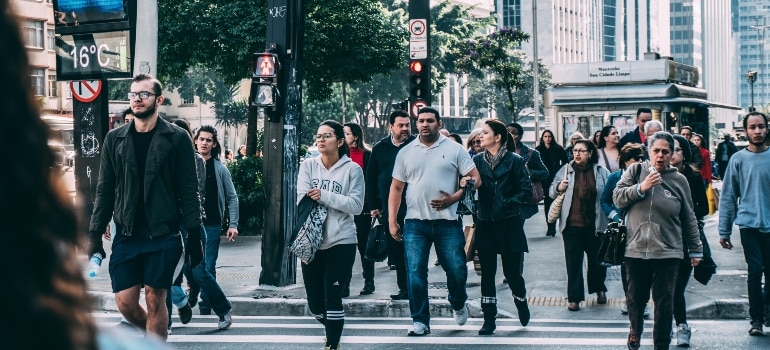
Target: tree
{"points": [[494, 54]]}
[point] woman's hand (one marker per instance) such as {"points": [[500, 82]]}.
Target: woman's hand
{"points": [[562, 185], [314, 194], [652, 180], [695, 261]]}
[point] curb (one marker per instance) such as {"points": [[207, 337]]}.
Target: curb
{"points": [[245, 306]]}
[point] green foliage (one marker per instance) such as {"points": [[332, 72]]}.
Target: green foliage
{"points": [[117, 89], [247, 178], [494, 55]]}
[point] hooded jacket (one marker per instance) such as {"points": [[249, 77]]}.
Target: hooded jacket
{"points": [[659, 220], [342, 192]]}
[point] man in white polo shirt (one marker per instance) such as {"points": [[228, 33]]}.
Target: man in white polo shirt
{"points": [[430, 168]]}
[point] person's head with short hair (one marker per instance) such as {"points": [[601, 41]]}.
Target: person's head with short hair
{"points": [[516, 131], [575, 137], [728, 137], [228, 154], [47, 304], [128, 115], [652, 126], [755, 127], [456, 138], [242, 151], [444, 132], [207, 143], [145, 96], [431, 110], [660, 147], [629, 154], [686, 132], [473, 142], [399, 125], [184, 125], [697, 139], [643, 115]]}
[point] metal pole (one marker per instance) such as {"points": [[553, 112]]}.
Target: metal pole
{"points": [[535, 71]]}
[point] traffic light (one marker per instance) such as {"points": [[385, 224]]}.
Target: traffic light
{"points": [[264, 80], [419, 81]]}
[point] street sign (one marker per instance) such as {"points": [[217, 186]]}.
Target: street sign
{"points": [[417, 105], [93, 56], [86, 90], [418, 50], [417, 27]]}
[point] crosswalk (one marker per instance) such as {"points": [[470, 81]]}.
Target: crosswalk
{"points": [[294, 331]]}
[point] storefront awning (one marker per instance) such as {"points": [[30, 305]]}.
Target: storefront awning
{"points": [[631, 94]]}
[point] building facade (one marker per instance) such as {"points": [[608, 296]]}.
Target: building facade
{"points": [[752, 30]]}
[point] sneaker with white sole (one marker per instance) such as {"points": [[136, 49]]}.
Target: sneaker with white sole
{"points": [[683, 333], [419, 328], [624, 309], [225, 321], [460, 316], [756, 328], [646, 312]]}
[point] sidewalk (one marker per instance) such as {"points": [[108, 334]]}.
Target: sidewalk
{"points": [[544, 272]]}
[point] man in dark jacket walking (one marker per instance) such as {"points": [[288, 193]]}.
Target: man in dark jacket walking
{"points": [[643, 115], [379, 175], [148, 185], [725, 151]]}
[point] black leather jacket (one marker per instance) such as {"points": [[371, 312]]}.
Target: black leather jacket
{"points": [[504, 189]]}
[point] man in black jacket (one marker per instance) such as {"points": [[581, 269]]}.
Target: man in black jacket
{"points": [[148, 185], [724, 152], [379, 175], [643, 115]]}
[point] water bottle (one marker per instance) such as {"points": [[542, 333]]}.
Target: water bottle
{"points": [[94, 264]]}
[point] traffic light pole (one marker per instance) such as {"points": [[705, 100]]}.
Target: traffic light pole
{"points": [[281, 147], [419, 56]]}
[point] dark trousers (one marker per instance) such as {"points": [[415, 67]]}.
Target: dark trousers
{"points": [[324, 278], [660, 276], [756, 249], [363, 225], [680, 304], [547, 201], [396, 254], [511, 271], [579, 241]]}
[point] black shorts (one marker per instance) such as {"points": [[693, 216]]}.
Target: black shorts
{"points": [[140, 260]]}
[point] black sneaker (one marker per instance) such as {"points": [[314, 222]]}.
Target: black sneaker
{"points": [[345, 292], [756, 328], [192, 296], [401, 295], [368, 288], [185, 313]]}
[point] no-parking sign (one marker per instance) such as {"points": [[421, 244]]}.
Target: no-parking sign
{"points": [[86, 90]]}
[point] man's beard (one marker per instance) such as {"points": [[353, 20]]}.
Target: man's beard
{"points": [[147, 113]]}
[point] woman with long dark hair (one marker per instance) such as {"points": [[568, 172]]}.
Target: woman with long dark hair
{"points": [[554, 157], [332, 179], [608, 148], [505, 188], [360, 154], [581, 217]]}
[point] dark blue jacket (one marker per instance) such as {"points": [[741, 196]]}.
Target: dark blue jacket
{"points": [[379, 175]]}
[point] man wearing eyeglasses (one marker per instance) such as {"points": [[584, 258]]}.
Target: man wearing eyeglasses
{"points": [[148, 185]]}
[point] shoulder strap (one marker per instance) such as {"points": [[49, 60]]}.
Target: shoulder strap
{"points": [[606, 161]]}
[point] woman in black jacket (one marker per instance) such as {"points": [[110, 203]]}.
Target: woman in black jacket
{"points": [[554, 157], [505, 187]]}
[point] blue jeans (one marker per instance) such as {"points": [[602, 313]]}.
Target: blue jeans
{"points": [[448, 237], [756, 249], [210, 237]]}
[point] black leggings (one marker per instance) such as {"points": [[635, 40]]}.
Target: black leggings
{"points": [[324, 278], [511, 270]]}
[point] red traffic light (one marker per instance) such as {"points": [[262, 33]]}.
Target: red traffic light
{"points": [[415, 67], [265, 65]]}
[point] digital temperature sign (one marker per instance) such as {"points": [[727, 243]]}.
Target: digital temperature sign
{"points": [[93, 56], [74, 12]]}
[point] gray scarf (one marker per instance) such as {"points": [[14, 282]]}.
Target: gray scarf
{"points": [[493, 161]]}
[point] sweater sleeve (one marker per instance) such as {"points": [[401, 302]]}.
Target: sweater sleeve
{"points": [[537, 169], [606, 199], [303, 180], [728, 199], [351, 202], [626, 193]]}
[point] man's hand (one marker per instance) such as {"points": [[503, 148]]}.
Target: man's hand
{"points": [[194, 249], [107, 235], [96, 246], [443, 202], [725, 243], [376, 213], [695, 261], [395, 232], [232, 232]]}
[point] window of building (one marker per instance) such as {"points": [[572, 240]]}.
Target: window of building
{"points": [[51, 40], [33, 33], [187, 98], [52, 90], [38, 81]]}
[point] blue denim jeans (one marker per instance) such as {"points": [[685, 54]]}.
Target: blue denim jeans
{"points": [[447, 235], [756, 249], [210, 237]]}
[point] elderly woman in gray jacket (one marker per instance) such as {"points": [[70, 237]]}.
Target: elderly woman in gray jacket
{"points": [[581, 217], [659, 217]]}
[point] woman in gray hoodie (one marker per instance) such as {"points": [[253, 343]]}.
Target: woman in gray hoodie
{"points": [[335, 181], [659, 218]]}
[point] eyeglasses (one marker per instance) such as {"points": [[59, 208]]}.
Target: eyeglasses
{"points": [[142, 95], [579, 151], [477, 142], [325, 136]]}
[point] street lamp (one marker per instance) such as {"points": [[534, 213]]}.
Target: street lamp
{"points": [[751, 77]]}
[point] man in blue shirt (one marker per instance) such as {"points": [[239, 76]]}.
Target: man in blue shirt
{"points": [[744, 202]]}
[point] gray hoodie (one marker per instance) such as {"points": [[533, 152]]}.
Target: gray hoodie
{"points": [[659, 220], [342, 192]]}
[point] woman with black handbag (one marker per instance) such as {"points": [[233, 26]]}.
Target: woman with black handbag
{"points": [[630, 154], [335, 181], [681, 161], [505, 187], [360, 154], [661, 222]]}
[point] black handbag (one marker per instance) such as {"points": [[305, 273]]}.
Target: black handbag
{"points": [[612, 244], [376, 245]]}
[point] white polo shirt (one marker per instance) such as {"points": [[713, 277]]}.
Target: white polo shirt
{"points": [[429, 170]]}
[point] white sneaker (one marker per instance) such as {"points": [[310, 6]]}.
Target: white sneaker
{"points": [[624, 309], [683, 335], [419, 328], [461, 316], [226, 321]]}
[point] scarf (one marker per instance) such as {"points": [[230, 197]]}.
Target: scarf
{"points": [[585, 191], [493, 161]]}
